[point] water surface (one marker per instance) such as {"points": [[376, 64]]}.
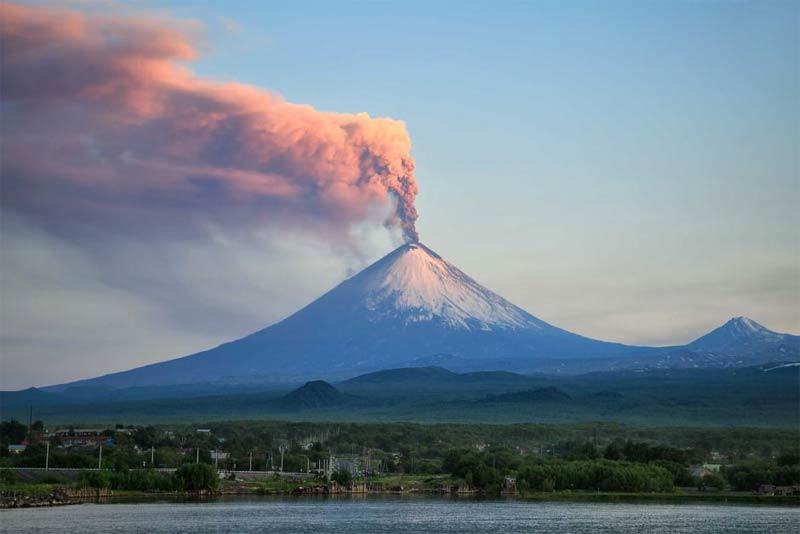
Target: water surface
{"points": [[398, 515]]}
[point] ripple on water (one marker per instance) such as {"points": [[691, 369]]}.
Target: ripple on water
{"points": [[399, 515]]}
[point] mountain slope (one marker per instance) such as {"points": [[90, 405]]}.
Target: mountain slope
{"points": [[405, 374], [410, 304], [743, 337]]}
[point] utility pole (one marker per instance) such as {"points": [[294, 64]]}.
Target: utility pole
{"points": [[197, 456], [251, 460], [100, 458], [281, 459], [216, 460], [152, 455], [47, 456]]}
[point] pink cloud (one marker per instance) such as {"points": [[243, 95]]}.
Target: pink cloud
{"points": [[104, 123]]}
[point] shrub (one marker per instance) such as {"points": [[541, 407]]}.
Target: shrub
{"points": [[342, 477], [94, 479], [8, 477], [196, 477]]}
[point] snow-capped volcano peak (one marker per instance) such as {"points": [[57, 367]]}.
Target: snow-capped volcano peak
{"points": [[746, 327], [415, 284], [740, 332]]}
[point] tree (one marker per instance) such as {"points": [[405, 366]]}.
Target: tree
{"points": [[12, 432], [146, 436], [788, 458], [342, 477], [612, 452], [712, 480]]}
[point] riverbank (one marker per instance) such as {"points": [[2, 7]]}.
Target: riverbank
{"points": [[678, 496], [43, 495]]}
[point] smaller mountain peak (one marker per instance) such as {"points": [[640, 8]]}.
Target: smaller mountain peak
{"points": [[317, 385], [738, 330], [314, 394], [745, 324]]}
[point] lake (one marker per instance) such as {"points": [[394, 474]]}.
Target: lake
{"points": [[377, 514]]}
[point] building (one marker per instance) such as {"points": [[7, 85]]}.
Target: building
{"points": [[354, 464], [766, 489], [83, 437], [718, 457], [787, 490], [17, 449], [704, 470], [771, 489]]}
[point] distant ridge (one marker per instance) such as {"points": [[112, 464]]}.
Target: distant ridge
{"points": [[761, 395], [404, 374], [533, 396]]}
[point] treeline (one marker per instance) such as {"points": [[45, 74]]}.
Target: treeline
{"points": [[263, 438], [626, 467], [747, 476], [602, 475], [486, 470], [340, 438], [605, 457], [189, 477]]}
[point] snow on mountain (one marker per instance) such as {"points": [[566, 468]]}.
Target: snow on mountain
{"points": [[414, 284], [744, 327]]}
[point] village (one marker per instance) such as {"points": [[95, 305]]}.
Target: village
{"points": [[331, 458]]}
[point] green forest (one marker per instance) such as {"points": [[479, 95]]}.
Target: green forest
{"points": [[541, 458]]}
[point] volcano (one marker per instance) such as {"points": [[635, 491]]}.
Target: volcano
{"points": [[413, 308], [743, 337], [410, 306]]}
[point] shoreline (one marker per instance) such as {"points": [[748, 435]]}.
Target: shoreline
{"points": [[61, 496]]}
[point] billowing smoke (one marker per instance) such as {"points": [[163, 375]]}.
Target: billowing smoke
{"points": [[105, 127]]}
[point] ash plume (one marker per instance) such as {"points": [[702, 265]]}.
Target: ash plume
{"points": [[104, 126]]}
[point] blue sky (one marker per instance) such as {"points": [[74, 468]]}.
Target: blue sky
{"points": [[624, 170], [654, 142]]}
